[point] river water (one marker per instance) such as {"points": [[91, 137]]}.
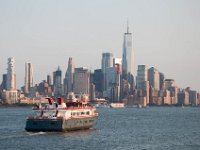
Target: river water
{"points": [[153, 128]]}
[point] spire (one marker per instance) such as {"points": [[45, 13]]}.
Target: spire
{"points": [[127, 26], [58, 68]]}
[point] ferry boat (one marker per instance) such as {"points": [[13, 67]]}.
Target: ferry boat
{"points": [[117, 105], [62, 116]]}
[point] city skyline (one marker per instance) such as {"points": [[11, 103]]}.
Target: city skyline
{"points": [[168, 42]]}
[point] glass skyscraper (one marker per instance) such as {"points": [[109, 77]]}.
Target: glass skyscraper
{"points": [[28, 77], [11, 77], [128, 65]]}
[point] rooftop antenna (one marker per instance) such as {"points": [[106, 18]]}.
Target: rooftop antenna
{"points": [[127, 26]]}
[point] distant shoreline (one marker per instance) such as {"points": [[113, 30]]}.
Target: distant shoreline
{"points": [[16, 105]]}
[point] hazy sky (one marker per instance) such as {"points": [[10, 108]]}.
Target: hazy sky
{"points": [[166, 35]]}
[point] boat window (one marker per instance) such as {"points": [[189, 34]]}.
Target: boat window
{"points": [[78, 113], [87, 112], [38, 113], [82, 113], [53, 123]]}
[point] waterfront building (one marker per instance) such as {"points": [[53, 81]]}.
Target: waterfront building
{"points": [[174, 94], [10, 95], [193, 97], [68, 81], [183, 98], [155, 97], [92, 92], [128, 64], [113, 75], [146, 88], [198, 99], [58, 82], [169, 84], [166, 98], [106, 62], [11, 76], [154, 78], [110, 80], [81, 81], [28, 78], [44, 89]]}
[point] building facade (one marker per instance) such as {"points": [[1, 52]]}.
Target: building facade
{"points": [[11, 76], [106, 62], [58, 90], [142, 76], [69, 77], [81, 81], [28, 78], [154, 78], [128, 64]]}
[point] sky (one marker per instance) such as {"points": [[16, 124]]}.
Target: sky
{"points": [[166, 35]]}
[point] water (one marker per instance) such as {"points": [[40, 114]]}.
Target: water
{"points": [[152, 128]]}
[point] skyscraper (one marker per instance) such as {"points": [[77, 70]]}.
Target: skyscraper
{"points": [[128, 65], [154, 78], [142, 82], [58, 82], [49, 80], [3, 84], [142, 76], [162, 78], [11, 76], [68, 81], [10, 94], [81, 81], [106, 62], [28, 77], [98, 81]]}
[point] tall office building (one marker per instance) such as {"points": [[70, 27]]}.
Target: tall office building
{"points": [[106, 62], [28, 77], [168, 83], [128, 65], [57, 82], [162, 78], [68, 81], [98, 81], [3, 84], [11, 76], [113, 82], [183, 97], [142, 76], [81, 81], [154, 78], [49, 80], [10, 94]]}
